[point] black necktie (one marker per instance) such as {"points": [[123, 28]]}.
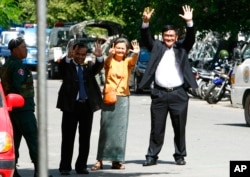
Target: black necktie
{"points": [[82, 92]]}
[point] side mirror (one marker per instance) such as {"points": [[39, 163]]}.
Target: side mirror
{"points": [[14, 100]]}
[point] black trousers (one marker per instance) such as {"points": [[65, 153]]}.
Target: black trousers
{"points": [[82, 116], [164, 102]]}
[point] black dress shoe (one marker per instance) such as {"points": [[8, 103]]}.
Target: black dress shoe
{"points": [[180, 161], [149, 162], [64, 172], [82, 171]]}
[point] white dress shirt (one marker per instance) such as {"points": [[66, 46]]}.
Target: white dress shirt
{"points": [[168, 72]]}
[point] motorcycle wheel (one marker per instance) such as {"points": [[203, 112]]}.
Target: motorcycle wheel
{"points": [[202, 88], [193, 92], [211, 95]]}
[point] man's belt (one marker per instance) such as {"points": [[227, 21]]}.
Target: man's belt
{"points": [[168, 89], [81, 101]]}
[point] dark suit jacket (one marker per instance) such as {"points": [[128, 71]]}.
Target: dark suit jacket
{"points": [[158, 48], [70, 85]]}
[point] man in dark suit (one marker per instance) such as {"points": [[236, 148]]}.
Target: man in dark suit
{"points": [[171, 73], [79, 97]]}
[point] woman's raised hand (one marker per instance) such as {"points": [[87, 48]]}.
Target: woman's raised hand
{"points": [[136, 47], [112, 50]]}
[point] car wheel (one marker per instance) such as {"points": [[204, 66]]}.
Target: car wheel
{"points": [[247, 110]]}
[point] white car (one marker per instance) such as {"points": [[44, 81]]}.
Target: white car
{"points": [[240, 93]]}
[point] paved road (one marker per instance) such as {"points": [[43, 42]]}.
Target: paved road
{"points": [[216, 134]]}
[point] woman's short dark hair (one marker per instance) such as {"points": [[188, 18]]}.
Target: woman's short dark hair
{"points": [[122, 40]]}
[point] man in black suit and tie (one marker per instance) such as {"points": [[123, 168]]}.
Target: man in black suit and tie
{"points": [[79, 97], [171, 73]]}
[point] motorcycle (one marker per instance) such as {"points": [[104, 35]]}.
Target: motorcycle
{"points": [[221, 86], [203, 80], [205, 77]]}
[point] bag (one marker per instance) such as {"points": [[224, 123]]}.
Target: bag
{"points": [[109, 95]]}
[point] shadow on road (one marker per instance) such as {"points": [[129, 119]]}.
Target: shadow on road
{"points": [[236, 125]]}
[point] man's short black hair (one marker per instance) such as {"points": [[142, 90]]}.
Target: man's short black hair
{"points": [[80, 45], [169, 27], [15, 43]]}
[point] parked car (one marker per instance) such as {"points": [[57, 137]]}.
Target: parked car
{"points": [[240, 80], [7, 155], [139, 70], [5, 37]]}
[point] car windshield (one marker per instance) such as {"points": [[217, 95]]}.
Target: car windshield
{"points": [[246, 54], [63, 37], [30, 37], [6, 37]]}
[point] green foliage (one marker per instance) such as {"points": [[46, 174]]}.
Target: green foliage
{"points": [[102, 10], [210, 15], [64, 11], [57, 10], [130, 12], [28, 11], [9, 12]]}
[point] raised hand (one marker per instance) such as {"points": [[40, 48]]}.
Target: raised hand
{"points": [[136, 47], [147, 13], [98, 49], [112, 50], [188, 13], [70, 52]]}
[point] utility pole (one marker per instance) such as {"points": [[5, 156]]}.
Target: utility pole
{"points": [[41, 89]]}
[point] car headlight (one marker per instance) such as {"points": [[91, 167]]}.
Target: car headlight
{"points": [[5, 142]]}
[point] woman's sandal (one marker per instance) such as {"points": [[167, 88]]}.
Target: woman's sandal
{"points": [[97, 166], [117, 166]]}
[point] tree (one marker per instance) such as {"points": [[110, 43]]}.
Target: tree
{"points": [[9, 12], [209, 15], [102, 10], [67, 10]]}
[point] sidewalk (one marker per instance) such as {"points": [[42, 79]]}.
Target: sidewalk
{"points": [[216, 134]]}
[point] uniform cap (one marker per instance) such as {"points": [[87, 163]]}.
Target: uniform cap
{"points": [[15, 43]]}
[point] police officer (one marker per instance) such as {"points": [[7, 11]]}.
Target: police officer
{"points": [[17, 78]]}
